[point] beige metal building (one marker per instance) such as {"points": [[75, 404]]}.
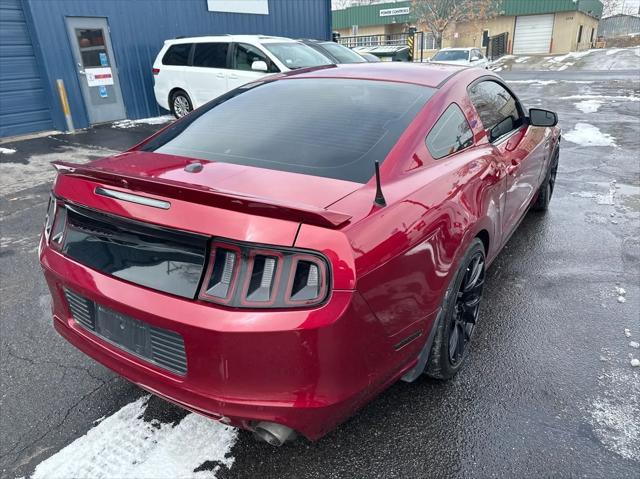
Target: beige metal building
{"points": [[532, 26]]}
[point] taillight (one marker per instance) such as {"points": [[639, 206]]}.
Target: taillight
{"points": [[58, 228], [48, 221], [155, 71], [251, 276]]}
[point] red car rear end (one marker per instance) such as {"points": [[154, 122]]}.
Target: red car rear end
{"points": [[237, 264]]}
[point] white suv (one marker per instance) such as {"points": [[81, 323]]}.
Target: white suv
{"points": [[188, 72]]}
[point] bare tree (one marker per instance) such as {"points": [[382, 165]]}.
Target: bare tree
{"points": [[438, 15], [613, 7]]}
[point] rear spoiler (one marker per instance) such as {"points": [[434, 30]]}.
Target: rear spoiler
{"points": [[299, 212]]}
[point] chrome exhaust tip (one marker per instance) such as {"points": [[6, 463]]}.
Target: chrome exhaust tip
{"points": [[274, 434]]}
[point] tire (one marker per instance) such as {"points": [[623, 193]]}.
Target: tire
{"points": [[180, 103], [458, 316], [546, 188]]}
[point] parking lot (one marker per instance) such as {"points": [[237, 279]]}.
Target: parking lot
{"points": [[549, 389]]}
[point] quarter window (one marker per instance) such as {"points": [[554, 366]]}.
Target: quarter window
{"points": [[499, 111], [450, 134], [177, 54], [210, 55], [245, 56]]}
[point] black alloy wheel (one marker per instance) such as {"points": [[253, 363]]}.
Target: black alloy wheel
{"points": [[467, 306], [458, 315]]}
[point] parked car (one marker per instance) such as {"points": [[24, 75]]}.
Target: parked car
{"points": [[334, 51], [370, 57], [472, 57], [189, 72], [278, 257]]}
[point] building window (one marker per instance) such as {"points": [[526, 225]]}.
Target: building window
{"points": [[485, 38], [354, 30], [580, 34]]}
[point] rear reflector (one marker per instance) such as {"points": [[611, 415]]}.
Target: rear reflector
{"points": [[156, 71]]}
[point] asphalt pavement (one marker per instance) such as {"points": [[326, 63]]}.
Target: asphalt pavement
{"points": [[548, 389]]}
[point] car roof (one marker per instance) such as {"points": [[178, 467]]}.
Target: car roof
{"points": [[425, 74], [451, 49], [231, 38]]}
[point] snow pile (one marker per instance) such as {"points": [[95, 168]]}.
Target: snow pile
{"points": [[588, 135], [125, 446], [156, 120], [522, 59], [634, 344], [627, 332], [7, 151], [621, 292]]}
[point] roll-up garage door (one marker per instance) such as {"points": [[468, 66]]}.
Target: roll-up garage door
{"points": [[533, 34], [24, 106]]}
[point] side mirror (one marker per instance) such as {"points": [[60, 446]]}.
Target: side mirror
{"points": [[259, 66], [538, 117], [475, 59]]}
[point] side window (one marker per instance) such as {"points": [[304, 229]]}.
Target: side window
{"points": [[177, 54], [476, 53], [210, 55], [245, 55], [498, 109], [450, 134]]}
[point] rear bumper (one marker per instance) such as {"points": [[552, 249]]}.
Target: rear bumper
{"points": [[306, 369]]}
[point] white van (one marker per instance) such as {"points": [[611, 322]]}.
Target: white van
{"points": [[188, 72]]}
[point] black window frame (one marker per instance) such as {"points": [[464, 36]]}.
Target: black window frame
{"points": [[444, 112], [189, 55], [227, 61], [271, 65], [519, 107]]}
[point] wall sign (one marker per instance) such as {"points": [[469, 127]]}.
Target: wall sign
{"points": [[99, 76], [390, 12], [259, 7]]}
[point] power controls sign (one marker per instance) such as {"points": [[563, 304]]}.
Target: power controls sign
{"points": [[99, 76], [390, 12]]}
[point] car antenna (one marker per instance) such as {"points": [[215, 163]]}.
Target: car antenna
{"points": [[379, 201]]}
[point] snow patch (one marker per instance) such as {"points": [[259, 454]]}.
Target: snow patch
{"points": [[156, 120], [534, 82], [16, 177], [125, 446], [522, 59], [7, 151], [614, 414], [627, 333], [589, 106], [600, 97], [634, 344], [586, 134], [635, 362]]}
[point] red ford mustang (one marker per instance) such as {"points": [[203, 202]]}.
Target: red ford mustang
{"points": [[251, 263]]}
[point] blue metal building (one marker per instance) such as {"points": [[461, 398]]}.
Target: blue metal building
{"points": [[38, 46]]}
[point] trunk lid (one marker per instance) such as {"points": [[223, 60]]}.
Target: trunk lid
{"points": [[258, 191]]}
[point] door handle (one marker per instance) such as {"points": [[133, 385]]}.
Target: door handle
{"points": [[233, 76], [220, 75]]}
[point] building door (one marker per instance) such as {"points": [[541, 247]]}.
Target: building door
{"points": [[533, 34], [23, 97], [96, 68]]}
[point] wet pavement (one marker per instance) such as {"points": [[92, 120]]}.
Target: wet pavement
{"points": [[548, 389]]}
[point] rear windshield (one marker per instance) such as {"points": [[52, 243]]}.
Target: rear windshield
{"points": [[451, 55], [342, 53], [334, 128], [297, 55]]}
